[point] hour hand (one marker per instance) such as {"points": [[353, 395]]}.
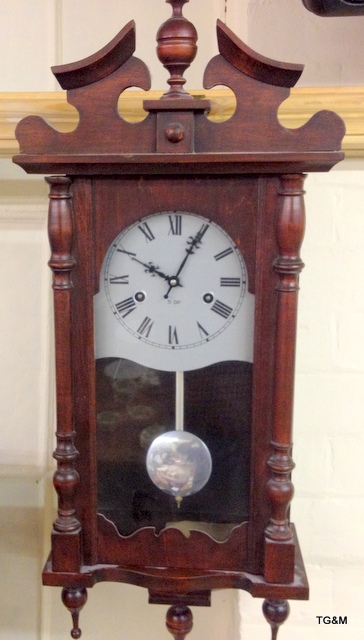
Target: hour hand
{"points": [[148, 266], [152, 269]]}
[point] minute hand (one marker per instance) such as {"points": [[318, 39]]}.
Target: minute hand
{"points": [[193, 243]]}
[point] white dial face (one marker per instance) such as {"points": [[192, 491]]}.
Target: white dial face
{"points": [[171, 285]]}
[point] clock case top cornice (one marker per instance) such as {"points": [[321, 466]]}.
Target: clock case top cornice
{"points": [[176, 133]]}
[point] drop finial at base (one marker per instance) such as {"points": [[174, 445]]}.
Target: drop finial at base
{"points": [[275, 612], [74, 600], [179, 621]]}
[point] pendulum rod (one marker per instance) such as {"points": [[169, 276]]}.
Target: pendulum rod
{"points": [[180, 412], [180, 400]]}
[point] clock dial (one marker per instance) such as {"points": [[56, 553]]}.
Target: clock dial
{"points": [[171, 286]]}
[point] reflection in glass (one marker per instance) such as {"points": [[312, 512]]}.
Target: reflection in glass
{"points": [[179, 463], [135, 404]]}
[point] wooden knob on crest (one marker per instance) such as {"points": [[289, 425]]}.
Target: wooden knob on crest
{"points": [[176, 48]]}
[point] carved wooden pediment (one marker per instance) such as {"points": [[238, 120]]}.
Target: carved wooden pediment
{"points": [[95, 84]]}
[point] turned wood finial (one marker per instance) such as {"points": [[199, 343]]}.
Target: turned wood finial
{"points": [[276, 613], [74, 599], [176, 48], [179, 621]]}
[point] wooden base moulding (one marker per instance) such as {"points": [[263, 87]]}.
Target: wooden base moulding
{"points": [[167, 582]]}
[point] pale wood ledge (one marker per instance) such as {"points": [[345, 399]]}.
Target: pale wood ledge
{"points": [[348, 102]]}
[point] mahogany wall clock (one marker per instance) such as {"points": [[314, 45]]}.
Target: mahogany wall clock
{"points": [[175, 251]]}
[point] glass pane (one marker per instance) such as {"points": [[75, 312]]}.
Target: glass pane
{"points": [[134, 405]]}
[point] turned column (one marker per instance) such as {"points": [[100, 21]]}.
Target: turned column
{"points": [[66, 527], [279, 547]]}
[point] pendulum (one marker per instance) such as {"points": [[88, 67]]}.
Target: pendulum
{"points": [[178, 462]]}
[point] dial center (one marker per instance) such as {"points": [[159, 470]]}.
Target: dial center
{"points": [[173, 281]]}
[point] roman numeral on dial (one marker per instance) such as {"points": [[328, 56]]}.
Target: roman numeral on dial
{"points": [[172, 335], [128, 253], [202, 231], [230, 282], [145, 228], [224, 253], [175, 224], [125, 306], [221, 309], [203, 333], [119, 279], [145, 327]]}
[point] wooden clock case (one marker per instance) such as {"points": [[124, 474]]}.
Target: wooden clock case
{"points": [[247, 175]]}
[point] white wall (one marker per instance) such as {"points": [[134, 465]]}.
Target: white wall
{"points": [[35, 35], [330, 372], [21, 551], [330, 48], [24, 334]]}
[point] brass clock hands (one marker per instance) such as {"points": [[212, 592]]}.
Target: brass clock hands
{"points": [[193, 243]]}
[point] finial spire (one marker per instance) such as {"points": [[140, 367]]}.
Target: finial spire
{"points": [[176, 48]]}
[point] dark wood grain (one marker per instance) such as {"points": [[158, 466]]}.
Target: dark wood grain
{"points": [[275, 612], [66, 528], [74, 599], [179, 621], [260, 86], [100, 64], [254, 65], [288, 265], [177, 48]]}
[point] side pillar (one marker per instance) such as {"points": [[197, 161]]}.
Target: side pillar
{"points": [[279, 545], [66, 534]]}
